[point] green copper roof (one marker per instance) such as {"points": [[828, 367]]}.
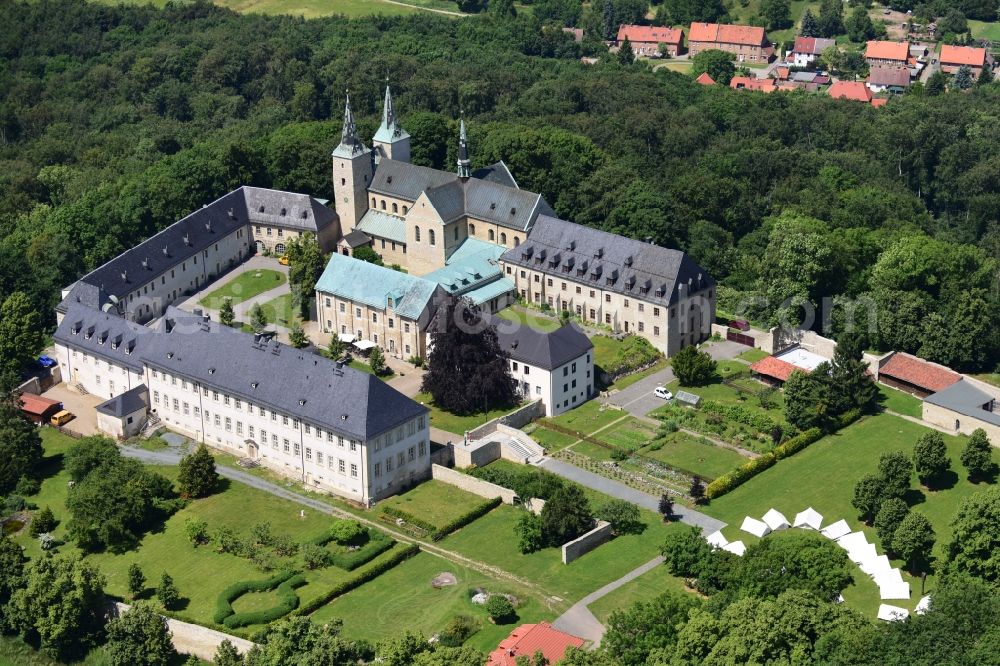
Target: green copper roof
{"points": [[362, 282], [379, 224]]}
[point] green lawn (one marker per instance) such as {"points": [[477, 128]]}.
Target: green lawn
{"points": [[434, 501], [753, 355], [631, 434], [628, 380], [900, 402], [249, 284], [531, 318], [798, 7], [455, 423], [989, 378], [279, 310], [491, 539], [406, 600], [646, 587], [703, 458], [362, 365], [550, 439], [984, 30], [587, 418], [823, 476]]}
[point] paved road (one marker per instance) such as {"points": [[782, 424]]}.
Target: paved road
{"points": [[621, 491], [579, 621]]}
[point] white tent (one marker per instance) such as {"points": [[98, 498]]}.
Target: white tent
{"points": [[923, 605], [839, 599], [875, 565], [889, 577], [892, 613], [852, 541], [862, 553], [716, 539], [755, 527], [836, 530], [808, 519], [893, 590], [345, 337], [364, 344], [775, 520], [735, 547]]}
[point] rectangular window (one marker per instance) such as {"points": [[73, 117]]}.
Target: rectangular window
{"points": [[284, 445], [274, 442], [238, 403], [309, 453], [354, 470], [341, 466], [406, 327], [354, 446], [218, 421], [388, 464], [411, 454], [377, 469], [284, 420], [308, 429], [197, 412], [225, 400], [319, 457], [400, 459], [177, 406], [250, 430], [656, 312], [229, 424], [422, 447], [642, 307], [156, 397], [656, 330], [296, 446], [239, 427], [641, 327], [565, 370], [342, 307]]}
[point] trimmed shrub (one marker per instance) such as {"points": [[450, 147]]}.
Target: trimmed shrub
{"points": [[224, 604], [346, 586], [499, 608], [377, 544], [477, 511], [393, 512], [797, 443], [739, 476], [288, 600]]}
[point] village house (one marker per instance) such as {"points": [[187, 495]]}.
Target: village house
{"points": [[530, 639], [646, 40], [889, 79], [954, 57], [752, 83], [887, 54], [747, 43], [807, 50], [856, 91], [912, 374]]}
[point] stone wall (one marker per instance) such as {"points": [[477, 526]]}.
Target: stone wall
{"points": [[534, 505], [472, 484], [479, 453], [586, 543], [517, 419], [945, 418], [195, 639]]}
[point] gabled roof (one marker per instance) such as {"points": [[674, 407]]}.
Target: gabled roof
{"points": [[356, 238], [376, 286], [382, 225], [543, 350], [286, 209], [614, 263], [852, 90], [887, 50], [104, 335], [966, 399], [705, 80], [497, 173], [126, 403], [775, 368], [530, 638], [812, 45], [918, 372], [36, 404], [962, 55], [650, 33], [747, 35], [889, 76], [406, 181], [879, 102], [752, 83]]}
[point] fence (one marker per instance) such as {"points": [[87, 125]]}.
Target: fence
{"points": [[734, 336]]}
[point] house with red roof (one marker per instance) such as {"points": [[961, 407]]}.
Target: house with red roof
{"points": [[38, 409], [887, 54], [954, 57], [748, 43], [777, 368], [752, 83], [914, 375], [646, 39], [705, 80], [807, 50], [528, 639], [856, 91]]}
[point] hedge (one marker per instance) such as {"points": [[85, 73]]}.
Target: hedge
{"points": [[377, 544], [477, 511], [409, 517], [740, 414], [797, 443], [224, 605], [346, 586]]}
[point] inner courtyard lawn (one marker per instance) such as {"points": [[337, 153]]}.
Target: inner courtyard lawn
{"points": [[434, 501], [550, 439], [405, 599], [687, 452], [248, 284], [455, 423], [519, 314], [900, 402]]}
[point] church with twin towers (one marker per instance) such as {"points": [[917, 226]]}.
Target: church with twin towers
{"points": [[475, 234]]}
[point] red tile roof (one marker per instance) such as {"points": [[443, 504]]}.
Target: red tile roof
{"points": [[853, 90], [962, 55], [528, 638], [775, 367], [918, 372], [879, 102], [705, 80], [781, 72], [36, 404], [812, 45], [650, 33], [727, 34], [888, 50], [752, 83]]}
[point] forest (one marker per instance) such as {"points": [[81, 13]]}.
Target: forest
{"points": [[116, 121]]}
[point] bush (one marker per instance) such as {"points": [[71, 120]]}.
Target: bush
{"points": [[620, 454], [477, 511], [288, 600], [314, 557], [634, 353], [377, 544], [623, 516], [26, 486], [347, 531], [393, 512], [346, 586], [224, 604], [499, 608], [458, 630], [797, 443], [739, 476], [416, 361], [43, 522]]}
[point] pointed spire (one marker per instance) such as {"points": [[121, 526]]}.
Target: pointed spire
{"points": [[464, 164], [349, 139], [389, 122]]}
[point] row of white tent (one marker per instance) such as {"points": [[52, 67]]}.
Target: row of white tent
{"points": [[889, 580]]}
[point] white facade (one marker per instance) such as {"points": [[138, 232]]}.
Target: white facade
{"points": [[560, 389], [96, 374], [803, 60]]}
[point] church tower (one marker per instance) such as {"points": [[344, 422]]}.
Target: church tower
{"points": [[464, 163], [391, 140], [353, 167]]}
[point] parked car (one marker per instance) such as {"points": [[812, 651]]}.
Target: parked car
{"points": [[662, 392], [46, 362], [62, 417], [740, 324], [283, 261]]}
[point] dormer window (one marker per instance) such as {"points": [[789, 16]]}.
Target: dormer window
{"points": [[208, 226], [260, 209], [599, 253], [232, 215], [283, 211], [187, 239], [305, 215], [661, 290], [90, 333], [628, 260]]}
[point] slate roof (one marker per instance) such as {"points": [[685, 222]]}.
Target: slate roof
{"points": [[549, 350], [289, 380], [918, 372], [406, 181], [966, 399], [497, 173], [301, 211], [363, 282], [126, 403], [356, 238], [648, 272], [104, 335], [383, 225]]}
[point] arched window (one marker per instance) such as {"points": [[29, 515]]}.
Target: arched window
{"points": [[517, 241], [395, 208], [472, 230], [503, 239], [430, 236], [280, 248], [455, 234], [416, 233], [374, 204], [405, 209], [383, 204], [492, 235]]}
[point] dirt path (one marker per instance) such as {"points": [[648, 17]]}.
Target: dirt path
{"points": [[426, 9]]}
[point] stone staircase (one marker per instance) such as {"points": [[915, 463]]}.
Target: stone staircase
{"points": [[81, 389], [531, 452]]}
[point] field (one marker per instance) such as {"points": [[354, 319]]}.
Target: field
{"points": [[550, 439], [317, 8], [458, 424], [247, 285], [434, 501], [823, 476], [984, 30], [899, 401], [686, 452]]}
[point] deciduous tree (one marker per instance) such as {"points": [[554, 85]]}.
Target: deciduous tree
{"points": [[913, 540], [977, 455], [376, 361], [975, 543], [139, 636], [20, 446], [718, 64], [930, 457], [895, 470], [12, 577], [566, 515], [196, 475], [21, 332], [869, 493], [890, 515]]}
